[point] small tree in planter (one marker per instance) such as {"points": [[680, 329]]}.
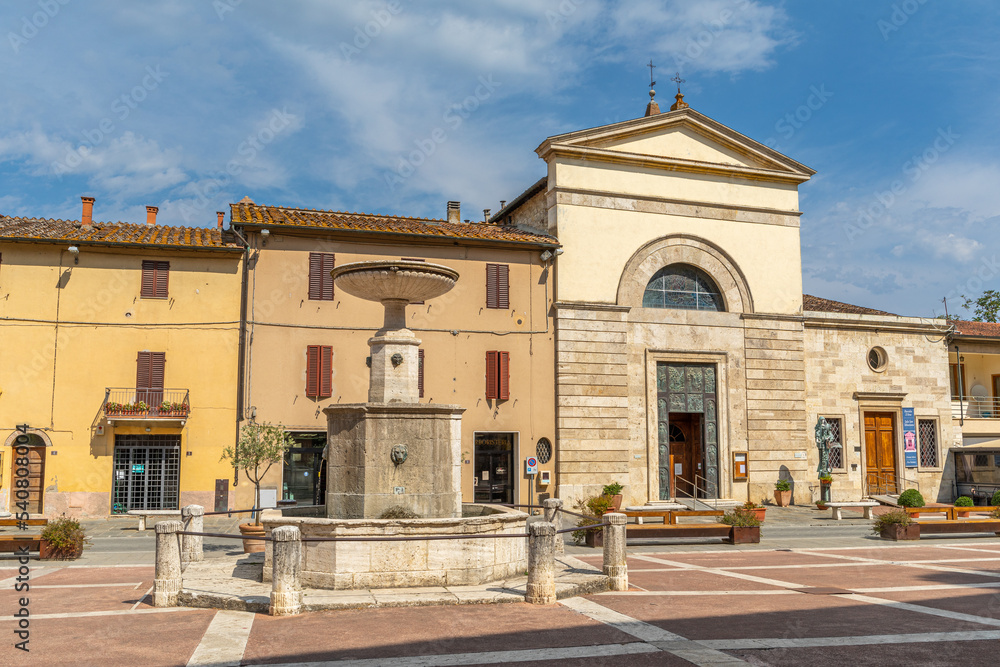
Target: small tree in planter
{"points": [[62, 539], [745, 526], [964, 501], [782, 493], [896, 525], [260, 445], [594, 508]]}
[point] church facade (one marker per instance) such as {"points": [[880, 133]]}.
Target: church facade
{"points": [[687, 361]]}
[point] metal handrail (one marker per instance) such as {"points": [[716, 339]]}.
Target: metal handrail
{"points": [[697, 488], [976, 407]]}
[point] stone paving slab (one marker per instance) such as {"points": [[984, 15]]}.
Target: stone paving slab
{"points": [[233, 582], [931, 654]]}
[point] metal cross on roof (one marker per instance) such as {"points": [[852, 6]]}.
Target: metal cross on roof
{"points": [[679, 80], [651, 66]]}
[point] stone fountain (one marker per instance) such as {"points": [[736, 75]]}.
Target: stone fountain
{"points": [[394, 465]]}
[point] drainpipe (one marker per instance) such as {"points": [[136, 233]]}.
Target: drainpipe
{"points": [[961, 383], [241, 363]]}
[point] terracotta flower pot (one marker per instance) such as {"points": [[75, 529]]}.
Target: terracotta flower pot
{"points": [[744, 535], [783, 498], [897, 532], [46, 551], [616, 503], [250, 531], [759, 513], [963, 515]]}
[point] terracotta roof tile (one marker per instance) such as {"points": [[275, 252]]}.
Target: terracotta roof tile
{"points": [[43, 229], [281, 216], [984, 329], [815, 303]]}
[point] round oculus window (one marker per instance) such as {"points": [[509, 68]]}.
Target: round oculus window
{"points": [[877, 359], [543, 450]]}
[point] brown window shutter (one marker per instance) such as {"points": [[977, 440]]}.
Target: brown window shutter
{"points": [[492, 296], [326, 371], [312, 370], [327, 278], [420, 372], [157, 361], [315, 276], [148, 287], [503, 286], [162, 279], [503, 376], [142, 368], [491, 374]]}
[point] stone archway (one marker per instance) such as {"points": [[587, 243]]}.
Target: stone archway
{"points": [[685, 249], [27, 461]]}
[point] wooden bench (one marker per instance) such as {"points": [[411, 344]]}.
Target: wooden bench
{"points": [[949, 526], [866, 505], [144, 514], [672, 528], [950, 511], [10, 542]]}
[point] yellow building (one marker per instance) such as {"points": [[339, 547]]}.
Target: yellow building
{"points": [[308, 341], [118, 360]]}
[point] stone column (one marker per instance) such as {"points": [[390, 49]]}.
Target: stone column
{"points": [[554, 516], [286, 589], [615, 566], [193, 517], [541, 587], [167, 579]]}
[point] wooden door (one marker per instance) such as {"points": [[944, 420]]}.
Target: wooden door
{"points": [[880, 451], [36, 474], [685, 452]]}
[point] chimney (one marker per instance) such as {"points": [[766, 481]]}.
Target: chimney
{"points": [[151, 215], [88, 211], [486, 215], [222, 216], [455, 211]]}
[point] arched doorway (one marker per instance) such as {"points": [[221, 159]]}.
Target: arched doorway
{"points": [[27, 462]]}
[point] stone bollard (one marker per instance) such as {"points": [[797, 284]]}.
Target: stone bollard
{"points": [[541, 587], [554, 516], [615, 566], [286, 590], [193, 517], [167, 580]]}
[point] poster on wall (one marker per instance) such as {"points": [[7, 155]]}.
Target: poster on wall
{"points": [[909, 438]]}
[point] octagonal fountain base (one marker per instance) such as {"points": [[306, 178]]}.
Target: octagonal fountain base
{"points": [[399, 564]]}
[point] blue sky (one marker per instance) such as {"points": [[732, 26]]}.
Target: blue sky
{"points": [[397, 107]]}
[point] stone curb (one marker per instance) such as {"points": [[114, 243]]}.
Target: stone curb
{"points": [[205, 587]]}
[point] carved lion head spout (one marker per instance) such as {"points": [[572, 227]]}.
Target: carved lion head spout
{"points": [[398, 454]]}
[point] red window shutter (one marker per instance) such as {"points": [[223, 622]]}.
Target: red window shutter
{"points": [[503, 376], [320, 280], [162, 279], [157, 362], [420, 372], [503, 286], [326, 371], [492, 296], [142, 368], [491, 374], [148, 287], [312, 370]]}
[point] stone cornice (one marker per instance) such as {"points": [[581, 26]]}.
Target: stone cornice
{"points": [[894, 396], [816, 320], [588, 305]]}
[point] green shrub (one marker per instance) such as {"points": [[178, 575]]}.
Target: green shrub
{"points": [[995, 500], [964, 501], [612, 489], [63, 533], [891, 518], [594, 507], [911, 498], [995, 514], [741, 518], [782, 485]]}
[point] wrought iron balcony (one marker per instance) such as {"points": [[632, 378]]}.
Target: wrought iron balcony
{"points": [[131, 403]]}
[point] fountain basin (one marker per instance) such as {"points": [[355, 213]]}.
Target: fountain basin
{"points": [[392, 564], [395, 280]]}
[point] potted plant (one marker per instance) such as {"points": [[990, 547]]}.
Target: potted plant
{"points": [[62, 539], [911, 498], [995, 500], [758, 510], [826, 480], [782, 493], [821, 505], [964, 501], [260, 445], [594, 508], [614, 490], [745, 526], [896, 525]]}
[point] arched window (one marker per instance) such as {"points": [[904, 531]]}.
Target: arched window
{"points": [[682, 286]]}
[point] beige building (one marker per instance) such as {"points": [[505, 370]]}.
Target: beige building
{"points": [[974, 371], [686, 362], [487, 345]]}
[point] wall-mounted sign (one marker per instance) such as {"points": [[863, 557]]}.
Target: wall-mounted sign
{"points": [[139, 468], [740, 465], [531, 466], [909, 438]]}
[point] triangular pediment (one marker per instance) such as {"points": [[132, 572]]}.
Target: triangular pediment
{"points": [[678, 139]]}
